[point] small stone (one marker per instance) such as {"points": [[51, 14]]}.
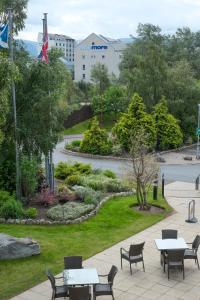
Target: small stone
{"points": [[187, 157]]}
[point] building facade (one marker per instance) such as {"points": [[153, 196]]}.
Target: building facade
{"points": [[62, 42], [97, 49]]}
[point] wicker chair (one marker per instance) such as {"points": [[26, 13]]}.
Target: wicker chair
{"points": [[58, 291], [103, 289], [175, 260], [167, 234], [79, 293], [134, 255], [73, 262], [192, 253]]}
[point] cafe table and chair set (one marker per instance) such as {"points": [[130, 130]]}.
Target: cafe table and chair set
{"points": [[80, 283]]}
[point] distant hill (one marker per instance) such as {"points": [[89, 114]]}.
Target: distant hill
{"points": [[30, 46]]}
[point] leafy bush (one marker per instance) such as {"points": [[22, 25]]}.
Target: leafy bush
{"points": [[76, 143], [69, 211], [46, 198], [117, 150], [73, 180], [31, 213], [109, 173], [4, 197], [96, 140], [29, 182], [87, 194], [63, 170], [103, 183], [82, 168], [11, 209]]}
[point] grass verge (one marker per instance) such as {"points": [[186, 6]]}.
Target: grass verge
{"points": [[115, 221], [80, 128]]}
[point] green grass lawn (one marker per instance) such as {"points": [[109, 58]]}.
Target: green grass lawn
{"points": [[114, 222], [83, 126]]}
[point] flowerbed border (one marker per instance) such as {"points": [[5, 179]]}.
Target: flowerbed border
{"points": [[75, 221], [110, 157]]}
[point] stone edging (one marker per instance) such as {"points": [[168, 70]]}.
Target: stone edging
{"points": [[75, 221], [110, 157]]}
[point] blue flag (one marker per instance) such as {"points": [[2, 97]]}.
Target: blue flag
{"points": [[4, 36]]}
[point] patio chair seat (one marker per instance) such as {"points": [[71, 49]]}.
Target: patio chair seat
{"points": [[190, 253], [133, 259], [102, 289], [61, 291]]}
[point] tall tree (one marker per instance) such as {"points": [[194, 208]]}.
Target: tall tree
{"points": [[99, 76], [133, 120], [168, 131], [19, 12], [143, 68]]}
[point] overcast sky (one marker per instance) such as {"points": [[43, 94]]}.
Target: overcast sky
{"points": [[112, 18]]}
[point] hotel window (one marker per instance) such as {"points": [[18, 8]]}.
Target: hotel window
{"points": [[83, 56], [83, 67], [83, 76], [103, 56]]}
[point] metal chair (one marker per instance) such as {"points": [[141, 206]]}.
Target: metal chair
{"points": [[103, 289], [79, 293], [175, 260], [134, 255], [73, 262], [192, 252], [167, 234], [58, 291]]}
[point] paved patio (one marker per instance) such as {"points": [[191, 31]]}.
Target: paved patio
{"points": [[153, 284]]}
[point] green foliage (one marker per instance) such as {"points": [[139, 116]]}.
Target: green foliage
{"points": [[143, 67], [113, 101], [99, 76], [64, 170], [29, 170], [19, 12], [109, 173], [88, 195], [11, 209], [69, 211], [169, 134], [103, 183], [73, 180], [4, 197], [95, 140], [135, 118], [76, 143], [31, 213]]}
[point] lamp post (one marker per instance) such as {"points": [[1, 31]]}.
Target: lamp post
{"points": [[198, 133]]}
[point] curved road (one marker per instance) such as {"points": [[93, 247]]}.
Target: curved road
{"points": [[186, 173]]}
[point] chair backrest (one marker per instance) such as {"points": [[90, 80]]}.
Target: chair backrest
{"points": [[51, 278], [169, 234], [196, 243], [136, 249], [79, 293], [73, 262], [175, 255], [112, 273]]}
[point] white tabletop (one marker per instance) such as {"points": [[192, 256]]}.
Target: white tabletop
{"points": [[171, 244], [80, 276]]}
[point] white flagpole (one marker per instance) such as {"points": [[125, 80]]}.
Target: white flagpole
{"points": [[18, 187]]}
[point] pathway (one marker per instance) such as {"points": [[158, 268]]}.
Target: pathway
{"points": [[153, 284]]}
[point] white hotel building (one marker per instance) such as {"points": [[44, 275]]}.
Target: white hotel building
{"points": [[98, 49], [63, 42]]}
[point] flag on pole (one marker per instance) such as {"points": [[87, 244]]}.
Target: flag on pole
{"points": [[4, 29], [43, 56]]}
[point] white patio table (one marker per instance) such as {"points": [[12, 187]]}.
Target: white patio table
{"points": [[80, 277], [171, 244]]}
